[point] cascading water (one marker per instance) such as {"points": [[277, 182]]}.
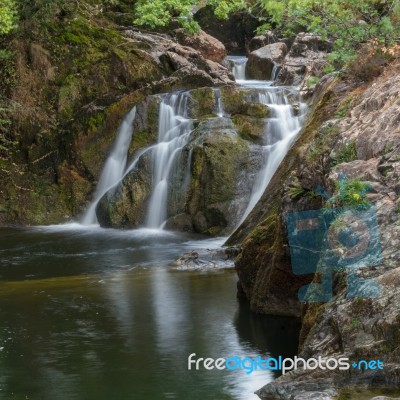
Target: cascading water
{"points": [[281, 128], [114, 167], [173, 134], [174, 131], [219, 108], [238, 67]]}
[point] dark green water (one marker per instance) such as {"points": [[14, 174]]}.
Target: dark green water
{"points": [[94, 314]]}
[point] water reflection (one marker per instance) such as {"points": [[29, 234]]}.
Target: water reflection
{"points": [[120, 330]]}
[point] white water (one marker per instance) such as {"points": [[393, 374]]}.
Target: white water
{"points": [[173, 134], [218, 102], [114, 167], [281, 128], [238, 67]]}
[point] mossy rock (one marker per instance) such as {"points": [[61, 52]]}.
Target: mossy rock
{"points": [[126, 205], [202, 102], [218, 154], [250, 128]]}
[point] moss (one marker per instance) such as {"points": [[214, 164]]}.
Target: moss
{"points": [[250, 128], [344, 107], [202, 102], [311, 314], [237, 101], [257, 110], [233, 99]]}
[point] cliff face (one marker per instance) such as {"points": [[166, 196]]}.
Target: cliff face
{"points": [[67, 76], [350, 147]]}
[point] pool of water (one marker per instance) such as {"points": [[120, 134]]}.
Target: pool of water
{"points": [[89, 313]]}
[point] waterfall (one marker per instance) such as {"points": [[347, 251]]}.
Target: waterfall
{"points": [[168, 168], [281, 127], [114, 167], [275, 71], [173, 134], [219, 108], [281, 130], [237, 66]]}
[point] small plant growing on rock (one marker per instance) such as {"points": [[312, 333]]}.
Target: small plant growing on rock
{"points": [[351, 192], [346, 153]]}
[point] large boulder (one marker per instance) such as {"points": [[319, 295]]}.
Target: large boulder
{"points": [[219, 159], [261, 62], [307, 58], [208, 46], [269, 38], [126, 205]]}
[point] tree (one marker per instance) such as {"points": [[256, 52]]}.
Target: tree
{"points": [[349, 23], [159, 13], [8, 16]]}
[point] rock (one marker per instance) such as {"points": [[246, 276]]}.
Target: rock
{"points": [[180, 222], [259, 41], [264, 40], [219, 158], [234, 33], [126, 205], [186, 67], [204, 260], [306, 59], [351, 131], [208, 46], [261, 62]]}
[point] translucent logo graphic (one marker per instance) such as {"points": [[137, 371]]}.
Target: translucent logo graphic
{"points": [[335, 239]]}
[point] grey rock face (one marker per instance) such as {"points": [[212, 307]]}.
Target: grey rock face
{"points": [[261, 62]]}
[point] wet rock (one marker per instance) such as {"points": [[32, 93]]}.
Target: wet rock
{"points": [[180, 222], [208, 46], [261, 62], [126, 205], [219, 157], [204, 260]]}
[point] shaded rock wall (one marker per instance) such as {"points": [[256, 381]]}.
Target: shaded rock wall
{"points": [[352, 131]]}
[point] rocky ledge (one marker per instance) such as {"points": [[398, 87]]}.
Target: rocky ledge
{"points": [[350, 146]]}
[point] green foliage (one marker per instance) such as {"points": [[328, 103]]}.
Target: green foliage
{"points": [[351, 23], [8, 16], [159, 13], [351, 192], [346, 153], [312, 81]]}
